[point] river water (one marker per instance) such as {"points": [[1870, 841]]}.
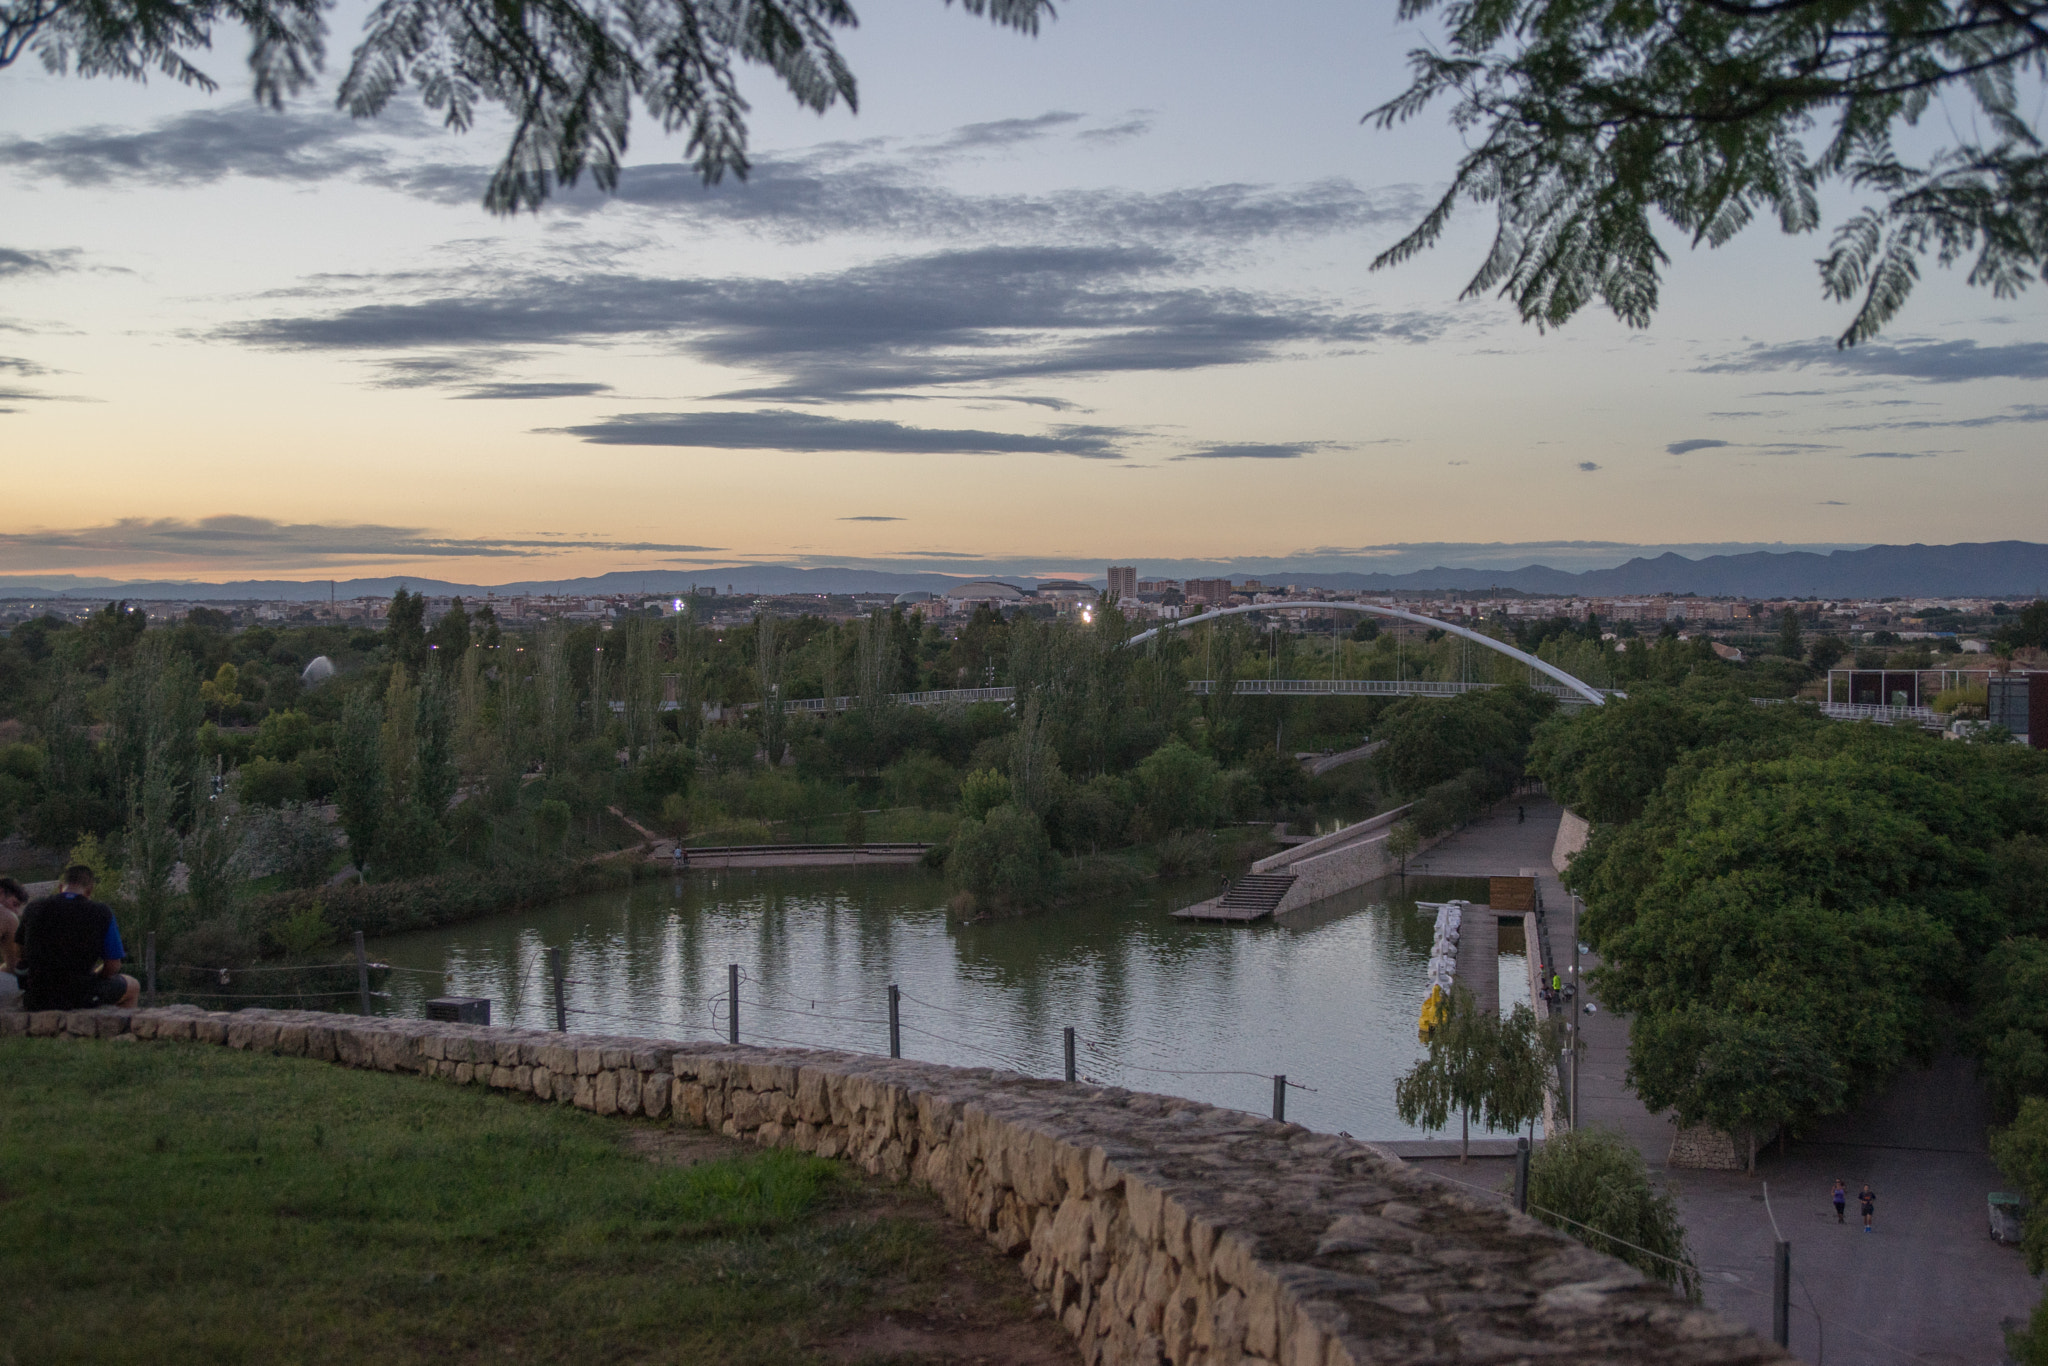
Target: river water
{"points": [[1328, 997]]}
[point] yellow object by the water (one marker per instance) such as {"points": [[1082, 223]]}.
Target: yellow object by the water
{"points": [[1435, 1007]]}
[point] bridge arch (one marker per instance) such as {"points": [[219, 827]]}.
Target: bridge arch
{"points": [[1551, 671]]}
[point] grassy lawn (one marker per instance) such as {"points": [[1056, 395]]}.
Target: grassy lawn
{"points": [[167, 1203]]}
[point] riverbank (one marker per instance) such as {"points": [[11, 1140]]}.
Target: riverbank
{"points": [[244, 1207]]}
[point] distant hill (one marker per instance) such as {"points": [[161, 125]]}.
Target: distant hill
{"points": [[2016, 569]]}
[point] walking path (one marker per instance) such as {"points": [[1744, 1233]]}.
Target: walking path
{"points": [[1929, 1285]]}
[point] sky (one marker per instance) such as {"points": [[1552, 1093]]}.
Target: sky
{"points": [[1097, 296]]}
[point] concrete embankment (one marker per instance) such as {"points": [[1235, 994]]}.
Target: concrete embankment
{"points": [[790, 855], [1160, 1230]]}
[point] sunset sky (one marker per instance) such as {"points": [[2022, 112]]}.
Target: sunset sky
{"points": [[1102, 294]]}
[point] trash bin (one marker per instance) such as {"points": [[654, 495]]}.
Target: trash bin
{"points": [[2007, 1215]]}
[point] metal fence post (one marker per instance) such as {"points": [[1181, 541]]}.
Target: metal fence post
{"points": [[149, 964], [1522, 1173], [561, 1001], [895, 1023], [732, 1001], [362, 973], [1280, 1095], [1781, 1296], [1070, 1053]]}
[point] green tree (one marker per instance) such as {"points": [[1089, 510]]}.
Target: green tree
{"points": [[1177, 788], [2011, 1022], [1402, 842], [359, 771], [405, 631], [1585, 118], [211, 841], [1004, 860], [1826, 652], [981, 792], [1591, 1184], [450, 638], [1789, 637], [567, 73], [2021, 1150], [1478, 1065], [1747, 1076]]}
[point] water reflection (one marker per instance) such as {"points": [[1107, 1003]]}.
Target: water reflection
{"points": [[1329, 997]]}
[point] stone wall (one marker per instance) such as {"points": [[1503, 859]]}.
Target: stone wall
{"points": [[1159, 1229], [1339, 861], [1572, 833]]}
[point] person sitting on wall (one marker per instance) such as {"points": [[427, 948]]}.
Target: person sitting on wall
{"points": [[12, 899], [72, 949]]}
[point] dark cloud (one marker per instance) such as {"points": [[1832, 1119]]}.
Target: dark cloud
{"points": [[24, 368], [1137, 125], [1894, 455], [14, 261], [1004, 132], [2018, 412], [1939, 362], [255, 542], [780, 430], [972, 317], [1698, 443], [1283, 450], [871, 519], [819, 194], [535, 390], [202, 146], [1588, 466], [1833, 503]]}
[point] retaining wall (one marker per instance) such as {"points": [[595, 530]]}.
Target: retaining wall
{"points": [[1337, 862], [1159, 1229], [1572, 833]]}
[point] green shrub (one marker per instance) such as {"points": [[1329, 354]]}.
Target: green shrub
{"points": [[1177, 788], [920, 779], [268, 782], [1596, 1179], [1186, 851], [1004, 859], [982, 792]]}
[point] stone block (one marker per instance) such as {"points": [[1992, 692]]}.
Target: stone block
{"points": [[584, 1097], [210, 1028], [543, 1083], [589, 1061], [654, 1088]]}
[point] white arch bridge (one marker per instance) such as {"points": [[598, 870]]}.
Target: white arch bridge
{"points": [[1570, 691], [1585, 692]]}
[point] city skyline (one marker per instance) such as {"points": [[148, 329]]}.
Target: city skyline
{"points": [[999, 317]]}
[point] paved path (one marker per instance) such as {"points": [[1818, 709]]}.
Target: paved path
{"points": [[1928, 1286]]}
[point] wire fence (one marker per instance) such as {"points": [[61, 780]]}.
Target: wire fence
{"points": [[748, 998]]}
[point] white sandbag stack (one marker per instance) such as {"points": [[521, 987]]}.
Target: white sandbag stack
{"points": [[1443, 955]]}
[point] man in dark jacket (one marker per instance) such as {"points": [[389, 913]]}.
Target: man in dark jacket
{"points": [[71, 950]]}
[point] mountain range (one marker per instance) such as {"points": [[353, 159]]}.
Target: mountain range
{"points": [[2017, 569]]}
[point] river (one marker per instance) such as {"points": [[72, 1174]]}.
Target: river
{"points": [[1328, 997]]}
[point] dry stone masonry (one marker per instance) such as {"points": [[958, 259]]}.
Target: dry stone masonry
{"points": [[1160, 1230]]}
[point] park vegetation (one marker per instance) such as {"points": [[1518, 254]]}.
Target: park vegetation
{"points": [[1791, 910], [450, 766]]}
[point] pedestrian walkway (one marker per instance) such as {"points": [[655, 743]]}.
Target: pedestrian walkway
{"points": [[1929, 1285]]}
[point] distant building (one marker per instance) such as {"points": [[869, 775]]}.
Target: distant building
{"points": [[994, 592], [1208, 590], [1123, 581]]}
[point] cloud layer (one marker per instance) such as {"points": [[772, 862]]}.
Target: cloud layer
{"points": [[248, 543], [782, 430]]}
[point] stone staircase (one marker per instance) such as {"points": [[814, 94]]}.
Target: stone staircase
{"points": [[1252, 897]]}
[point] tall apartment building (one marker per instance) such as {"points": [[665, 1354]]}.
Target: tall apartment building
{"points": [[1208, 590], [1123, 581]]}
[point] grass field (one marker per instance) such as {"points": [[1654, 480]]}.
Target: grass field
{"points": [[164, 1203]]}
